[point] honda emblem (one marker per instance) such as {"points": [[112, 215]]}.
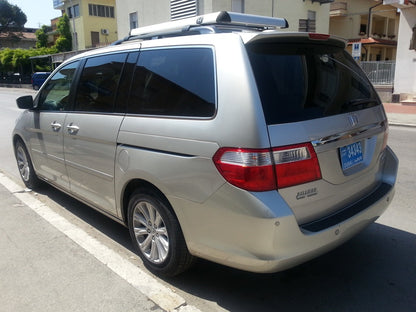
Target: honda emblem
{"points": [[353, 119]]}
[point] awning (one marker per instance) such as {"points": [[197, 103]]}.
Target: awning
{"points": [[373, 41]]}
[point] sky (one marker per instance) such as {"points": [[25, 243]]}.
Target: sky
{"points": [[38, 12]]}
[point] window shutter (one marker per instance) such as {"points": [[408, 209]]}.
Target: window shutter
{"points": [[182, 9]]}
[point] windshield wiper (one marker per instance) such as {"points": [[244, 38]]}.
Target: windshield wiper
{"points": [[357, 102]]}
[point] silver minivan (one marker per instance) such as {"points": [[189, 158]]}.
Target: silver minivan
{"points": [[220, 137]]}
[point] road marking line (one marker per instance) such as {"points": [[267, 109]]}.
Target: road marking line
{"points": [[163, 296]]}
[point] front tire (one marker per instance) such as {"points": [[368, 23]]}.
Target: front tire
{"points": [[156, 234], [25, 166]]}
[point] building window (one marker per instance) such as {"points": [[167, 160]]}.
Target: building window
{"points": [[182, 9], [363, 29], [133, 20], [413, 39], [73, 11], [101, 10], [237, 6], [309, 24]]}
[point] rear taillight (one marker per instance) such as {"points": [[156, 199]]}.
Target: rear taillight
{"points": [[296, 164], [262, 170], [249, 169]]}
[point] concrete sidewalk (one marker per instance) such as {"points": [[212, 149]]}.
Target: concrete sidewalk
{"points": [[48, 263], [401, 114], [43, 270]]}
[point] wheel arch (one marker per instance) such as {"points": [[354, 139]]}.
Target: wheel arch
{"points": [[17, 137], [135, 184]]}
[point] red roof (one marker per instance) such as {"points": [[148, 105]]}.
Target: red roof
{"points": [[373, 41], [22, 35]]}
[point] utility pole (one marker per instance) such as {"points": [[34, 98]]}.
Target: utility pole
{"points": [[74, 34]]}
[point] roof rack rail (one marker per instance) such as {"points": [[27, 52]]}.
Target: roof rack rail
{"points": [[207, 23]]}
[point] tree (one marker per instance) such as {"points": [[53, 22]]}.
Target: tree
{"points": [[11, 17], [42, 36], [64, 42], [6, 58]]}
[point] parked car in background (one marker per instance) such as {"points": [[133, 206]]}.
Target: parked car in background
{"points": [[215, 137], [38, 79]]}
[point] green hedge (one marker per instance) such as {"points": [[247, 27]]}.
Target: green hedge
{"points": [[18, 60]]}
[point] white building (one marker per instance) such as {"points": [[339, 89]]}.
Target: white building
{"points": [[304, 15], [369, 23], [405, 76]]}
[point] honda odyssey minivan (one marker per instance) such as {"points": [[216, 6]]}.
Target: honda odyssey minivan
{"points": [[221, 137]]}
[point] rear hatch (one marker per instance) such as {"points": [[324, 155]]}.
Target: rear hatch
{"points": [[319, 107]]}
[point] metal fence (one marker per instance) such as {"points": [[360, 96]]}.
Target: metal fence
{"points": [[380, 73]]}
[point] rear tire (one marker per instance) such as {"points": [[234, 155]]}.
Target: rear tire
{"points": [[25, 166], [156, 234]]}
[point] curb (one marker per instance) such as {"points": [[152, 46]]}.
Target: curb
{"points": [[405, 125]]}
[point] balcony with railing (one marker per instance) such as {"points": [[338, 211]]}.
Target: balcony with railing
{"points": [[58, 4], [338, 9], [321, 1], [401, 4]]}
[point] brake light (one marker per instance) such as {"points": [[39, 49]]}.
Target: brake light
{"points": [[315, 36], [262, 170], [296, 164], [249, 169]]}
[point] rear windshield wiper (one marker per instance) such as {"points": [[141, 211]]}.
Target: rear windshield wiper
{"points": [[358, 102]]}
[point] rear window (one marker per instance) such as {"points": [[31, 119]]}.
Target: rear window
{"points": [[299, 82]]}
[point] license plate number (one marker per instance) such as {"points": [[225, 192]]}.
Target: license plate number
{"points": [[351, 155]]}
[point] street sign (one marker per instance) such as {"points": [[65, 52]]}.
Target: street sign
{"points": [[356, 51]]}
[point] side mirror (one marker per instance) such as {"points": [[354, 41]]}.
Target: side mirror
{"points": [[25, 102]]}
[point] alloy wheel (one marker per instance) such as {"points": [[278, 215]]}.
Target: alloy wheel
{"points": [[23, 163], [151, 232]]}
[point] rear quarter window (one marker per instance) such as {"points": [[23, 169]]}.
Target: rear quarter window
{"points": [[299, 82], [174, 82]]}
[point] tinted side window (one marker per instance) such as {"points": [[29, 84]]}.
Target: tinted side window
{"points": [[126, 82], [98, 83], [174, 82], [55, 94]]}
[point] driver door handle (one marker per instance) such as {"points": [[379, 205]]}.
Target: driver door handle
{"points": [[56, 126], [72, 129]]}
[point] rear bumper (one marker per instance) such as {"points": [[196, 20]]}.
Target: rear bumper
{"points": [[348, 212], [258, 232]]}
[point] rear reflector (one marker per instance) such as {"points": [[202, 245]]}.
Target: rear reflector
{"points": [[262, 170], [386, 136]]}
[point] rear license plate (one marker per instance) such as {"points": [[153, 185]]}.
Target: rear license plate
{"points": [[351, 155]]}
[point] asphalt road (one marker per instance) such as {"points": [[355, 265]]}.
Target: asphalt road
{"points": [[375, 271]]}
